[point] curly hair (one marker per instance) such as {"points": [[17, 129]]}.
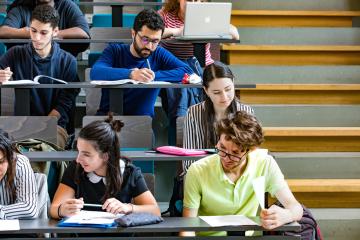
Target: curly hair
{"points": [[243, 129], [46, 14], [149, 18], [103, 137]]}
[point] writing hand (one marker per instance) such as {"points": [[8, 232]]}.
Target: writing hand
{"points": [[5, 74], [114, 206], [142, 75]]}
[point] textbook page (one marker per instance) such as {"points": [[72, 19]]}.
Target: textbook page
{"points": [[20, 82], [48, 80], [9, 225], [228, 220], [125, 81], [92, 217], [39, 79]]}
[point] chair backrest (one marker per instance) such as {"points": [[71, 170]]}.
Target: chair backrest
{"points": [[23, 127], [107, 33], [43, 200], [93, 96], [179, 131], [136, 133], [150, 182]]}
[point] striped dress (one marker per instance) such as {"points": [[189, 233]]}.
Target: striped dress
{"points": [[25, 204], [194, 130], [181, 50]]}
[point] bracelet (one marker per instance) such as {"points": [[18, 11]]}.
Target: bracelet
{"points": [[58, 211]]}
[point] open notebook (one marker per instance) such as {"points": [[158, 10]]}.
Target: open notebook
{"points": [[125, 81], [39, 79], [98, 219]]}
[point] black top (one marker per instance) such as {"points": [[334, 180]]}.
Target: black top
{"points": [[133, 185]]}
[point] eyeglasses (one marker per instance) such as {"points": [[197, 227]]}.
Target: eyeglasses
{"points": [[235, 158], [145, 40]]}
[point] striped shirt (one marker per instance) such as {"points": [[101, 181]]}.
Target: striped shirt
{"points": [[181, 50], [194, 129], [25, 204]]}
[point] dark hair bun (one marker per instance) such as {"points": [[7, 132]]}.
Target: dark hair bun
{"points": [[116, 125]]}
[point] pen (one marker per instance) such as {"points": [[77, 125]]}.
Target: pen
{"points": [[92, 205], [148, 63]]}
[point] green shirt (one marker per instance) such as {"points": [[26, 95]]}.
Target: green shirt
{"points": [[208, 189]]}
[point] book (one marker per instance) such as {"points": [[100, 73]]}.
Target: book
{"points": [[125, 81], [97, 219], [39, 79]]}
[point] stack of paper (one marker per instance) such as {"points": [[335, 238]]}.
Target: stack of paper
{"points": [[90, 219]]}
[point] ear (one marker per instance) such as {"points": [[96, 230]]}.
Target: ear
{"points": [[105, 157], [205, 90], [133, 34], [56, 32]]}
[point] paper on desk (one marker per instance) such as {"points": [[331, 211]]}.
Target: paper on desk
{"points": [[228, 220], [259, 189], [92, 217], [9, 225]]}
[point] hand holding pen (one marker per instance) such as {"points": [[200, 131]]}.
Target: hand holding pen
{"points": [[143, 74], [70, 207]]}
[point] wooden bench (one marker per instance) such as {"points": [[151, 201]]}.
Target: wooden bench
{"points": [[301, 94], [326, 193], [291, 18], [312, 139], [291, 54]]}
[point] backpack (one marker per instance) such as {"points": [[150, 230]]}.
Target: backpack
{"points": [[53, 170], [310, 229], [176, 201]]}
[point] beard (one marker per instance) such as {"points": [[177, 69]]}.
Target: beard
{"points": [[142, 52]]}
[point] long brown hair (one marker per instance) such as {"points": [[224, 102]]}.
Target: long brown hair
{"points": [[103, 136], [8, 150], [172, 6], [211, 72]]}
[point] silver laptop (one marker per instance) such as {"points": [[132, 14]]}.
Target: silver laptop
{"points": [[206, 21]]}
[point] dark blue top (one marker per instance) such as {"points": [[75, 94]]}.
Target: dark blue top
{"points": [[25, 63], [69, 12], [116, 63]]}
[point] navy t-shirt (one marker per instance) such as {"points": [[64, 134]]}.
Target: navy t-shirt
{"points": [[69, 12], [132, 186]]}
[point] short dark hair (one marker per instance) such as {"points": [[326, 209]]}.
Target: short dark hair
{"points": [[149, 18], [46, 14]]}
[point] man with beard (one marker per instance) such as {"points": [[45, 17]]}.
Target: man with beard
{"points": [[143, 61], [44, 57]]}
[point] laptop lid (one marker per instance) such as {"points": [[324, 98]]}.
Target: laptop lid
{"points": [[207, 19]]}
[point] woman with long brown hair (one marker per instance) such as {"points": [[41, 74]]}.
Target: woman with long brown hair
{"points": [[18, 189], [100, 176]]}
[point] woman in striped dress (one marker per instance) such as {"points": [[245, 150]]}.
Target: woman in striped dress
{"points": [[220, 101], [173, 14], [18, 189]]}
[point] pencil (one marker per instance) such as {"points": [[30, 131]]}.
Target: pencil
{"points": [[148, 63]]}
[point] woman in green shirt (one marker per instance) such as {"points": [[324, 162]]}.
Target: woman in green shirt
{"points": [[221, 184]]}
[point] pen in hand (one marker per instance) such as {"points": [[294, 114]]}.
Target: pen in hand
{"points": [[148, 63]]}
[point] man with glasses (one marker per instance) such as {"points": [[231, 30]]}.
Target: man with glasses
{"points": [[143, 61], [221, 184]]}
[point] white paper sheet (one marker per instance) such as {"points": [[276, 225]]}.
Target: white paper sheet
{"points": [[9, 225], [93, 217], [259, 189], [228, 220]]}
